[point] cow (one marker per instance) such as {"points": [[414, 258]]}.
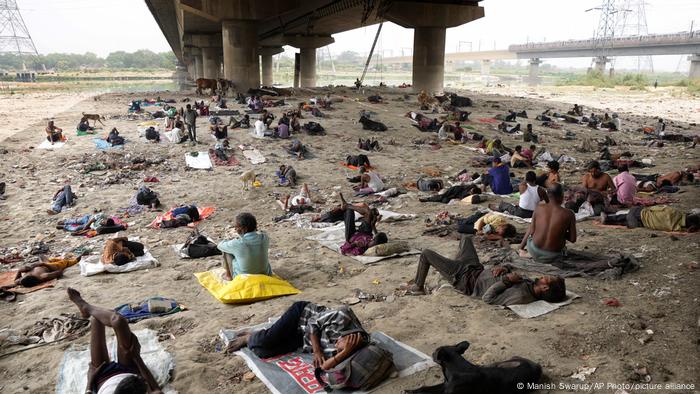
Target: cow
{"points": [[205, 83]]}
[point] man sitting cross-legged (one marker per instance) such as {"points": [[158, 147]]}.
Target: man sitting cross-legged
{"points": [[128, 375], [247, 254], [495, 285], [530, 196]]}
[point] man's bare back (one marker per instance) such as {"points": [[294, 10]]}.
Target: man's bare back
{"points": [[553, 226]]}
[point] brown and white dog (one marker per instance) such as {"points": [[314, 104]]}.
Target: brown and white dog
{"points": [[92, 117]]}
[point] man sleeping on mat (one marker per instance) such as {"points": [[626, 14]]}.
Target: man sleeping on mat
{"points": [[332, 335], [495, 285]]}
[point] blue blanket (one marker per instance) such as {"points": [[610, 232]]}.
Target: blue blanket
{"points": [[104, 145]]}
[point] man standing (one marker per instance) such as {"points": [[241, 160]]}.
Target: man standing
{"points": [[247, 254], [191, 122], [552, 225]]}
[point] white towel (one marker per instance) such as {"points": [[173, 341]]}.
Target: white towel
{"points": [[47, 145], [254, 156], [200, 162], [92, 265]]}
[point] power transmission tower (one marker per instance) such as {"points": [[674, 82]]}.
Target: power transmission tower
{"points": [[605, 33], [634, 23], [14, 35]]}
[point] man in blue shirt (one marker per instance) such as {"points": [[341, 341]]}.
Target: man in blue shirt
{"points": [[247, 254], [500, 177]]}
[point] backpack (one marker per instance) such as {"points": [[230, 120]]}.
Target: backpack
{"points": [[313, 128], [366, 369], [200, 246], [145, 196], [152, 134]]}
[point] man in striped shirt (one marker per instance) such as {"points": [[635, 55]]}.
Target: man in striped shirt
{"points": [[332, 335]]}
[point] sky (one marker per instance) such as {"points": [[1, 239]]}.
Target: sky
{"points": [[104, 26]]}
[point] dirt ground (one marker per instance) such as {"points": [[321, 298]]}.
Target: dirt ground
{"points": [[661, 297]]}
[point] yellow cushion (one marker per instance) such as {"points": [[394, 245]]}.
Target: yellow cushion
{"points": [[245, 288]]}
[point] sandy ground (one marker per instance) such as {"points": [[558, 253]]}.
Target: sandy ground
{"points": [[661, 297], [672, 103]]}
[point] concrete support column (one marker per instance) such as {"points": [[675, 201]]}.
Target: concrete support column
{"points": [[600, 63], [429, 58], [485, 67], [534, 71], [198, 67], [308, 46], [266, 64], [191, 72], [210, 62], [307, 77], [694, 66], [266, 54], [241, 63], [297, 69], [181, 75]]}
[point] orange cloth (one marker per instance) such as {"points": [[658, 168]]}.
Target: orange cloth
{"points": [[114, 246]]}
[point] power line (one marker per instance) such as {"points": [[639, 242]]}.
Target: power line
{"points": [[14, 35]]}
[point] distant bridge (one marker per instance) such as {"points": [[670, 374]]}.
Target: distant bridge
{"points": [[685, 43]]}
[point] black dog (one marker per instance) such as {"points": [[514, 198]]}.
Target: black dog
{"points": [[368, 124], [463, 377]]}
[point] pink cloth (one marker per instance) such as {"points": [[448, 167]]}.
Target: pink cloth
{"points": [[527, 153], [358, 244], [626, 186]]}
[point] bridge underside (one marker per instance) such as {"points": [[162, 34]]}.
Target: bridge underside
{"points": [[221, 38]]}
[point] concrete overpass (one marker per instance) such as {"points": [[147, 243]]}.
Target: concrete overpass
{"points": [[231, 38], [685, 43]]}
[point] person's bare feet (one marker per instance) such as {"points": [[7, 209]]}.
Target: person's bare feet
{"points": [[51, 212], [82, 305], [238, 343]]}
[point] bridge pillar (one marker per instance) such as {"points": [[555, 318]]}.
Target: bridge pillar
{"points": [[307, 51], [599, 63], [210, 62], [485, 67], [430, 21], [181, 75], [429, 58], [694, 66], [534, 71], [198, 66], [191, 72], [241, 62], [266, 54]]}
